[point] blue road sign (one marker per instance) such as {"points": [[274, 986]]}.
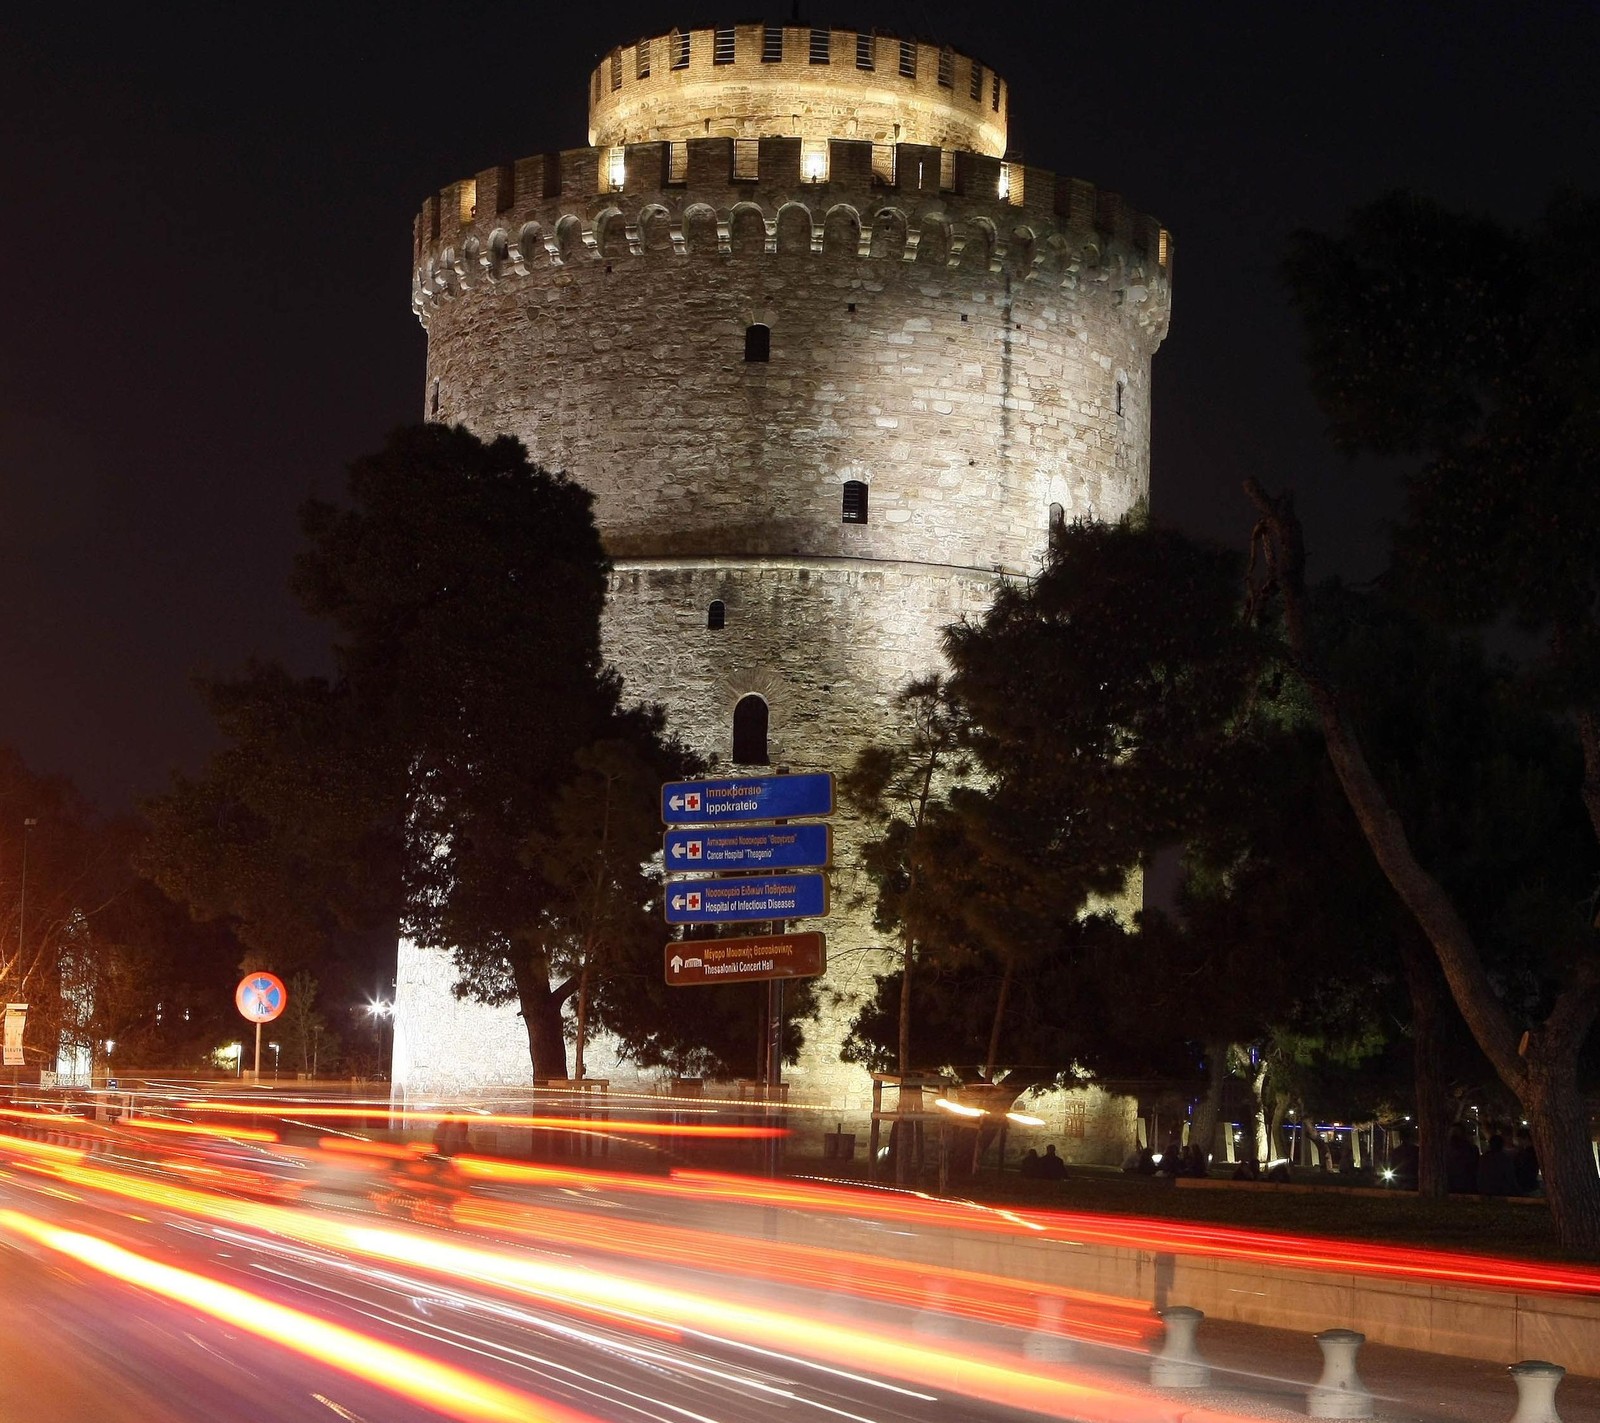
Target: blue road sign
{"points": [[746, 798], [743, 901], [747, 848]]}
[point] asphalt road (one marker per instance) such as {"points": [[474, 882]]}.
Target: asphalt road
{"points": [[77, 1345], [132, 1292]]}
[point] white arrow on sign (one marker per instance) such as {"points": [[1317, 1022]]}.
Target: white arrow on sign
{"points": [[677, 901], [676, 802], [677, 852], [677, 963]]}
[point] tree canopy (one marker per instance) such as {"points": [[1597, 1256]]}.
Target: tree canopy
{"points": [[469, 708]]}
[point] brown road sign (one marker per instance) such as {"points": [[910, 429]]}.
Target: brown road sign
{"points": [[701, 961]]}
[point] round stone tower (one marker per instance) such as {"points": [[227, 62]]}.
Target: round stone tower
{"points": [[831, 367]]}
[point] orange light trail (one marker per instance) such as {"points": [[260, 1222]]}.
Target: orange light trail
{"points": [[632, 1303], [1307, 1252], [447, 1390], [1107, 1319], [201, 1129], [704, 1131]]}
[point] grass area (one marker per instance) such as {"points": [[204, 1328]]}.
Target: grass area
{"points": [[1487, 1227]]}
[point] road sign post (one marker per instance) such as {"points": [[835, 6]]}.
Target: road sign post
{"points": [[746, 798], [746, 900], [749, 849], [760, 958], [260, 997]]}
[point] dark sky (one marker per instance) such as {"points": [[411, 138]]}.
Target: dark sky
{"points": [[205, 233]]}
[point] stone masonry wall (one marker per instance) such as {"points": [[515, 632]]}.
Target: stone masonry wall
{"points": [[972, 340]]}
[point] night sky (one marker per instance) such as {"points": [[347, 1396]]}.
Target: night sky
{"points": [[206, 241]]}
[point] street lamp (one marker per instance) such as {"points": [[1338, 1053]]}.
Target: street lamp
{"points": [[380, 1010], [22, 891], [274, 1047]]}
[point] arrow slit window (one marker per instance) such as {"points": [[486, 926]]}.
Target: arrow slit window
{"points": [[750, 731], [855, 501]]}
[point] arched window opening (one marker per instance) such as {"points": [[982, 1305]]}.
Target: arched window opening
{"points": [[1058, 519], [758, 342], [716, 615], [1122, 386], [434, 403], [855, 501], [750, 731]]}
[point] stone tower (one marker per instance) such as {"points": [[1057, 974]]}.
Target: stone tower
{"points": [[831, 366]]}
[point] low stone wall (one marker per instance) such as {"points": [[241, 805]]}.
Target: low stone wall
{"points": [[1468, 1321]]}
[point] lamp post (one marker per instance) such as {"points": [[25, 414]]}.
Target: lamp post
{"points": [[22, 890], [274, 1047], [380, 1010]]}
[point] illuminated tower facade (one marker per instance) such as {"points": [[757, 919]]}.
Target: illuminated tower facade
{"points": [[831, 366]]}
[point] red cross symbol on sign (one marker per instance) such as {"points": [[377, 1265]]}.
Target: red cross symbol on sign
{"points": [[693, 901], [694, 849], [691, 801]]}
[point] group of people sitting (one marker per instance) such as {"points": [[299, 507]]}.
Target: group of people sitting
{"points": [[1048, 1167], [1176, 1160], [1500, 1169]]}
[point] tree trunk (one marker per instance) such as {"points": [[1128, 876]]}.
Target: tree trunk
{"points": [[1558, 1119], [992, 1059], [541, 1015], [1428, 1016], [1275, 1146], [1542, 1068], [905, 1010], [1204, 1129], [1258, 1089], [582, 1015]]}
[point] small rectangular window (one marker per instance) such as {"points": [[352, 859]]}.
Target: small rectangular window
{"points": [[678, 43], [865, 56], [1163, 247], [821, 46], [613, 169], [722, 47], [908, 59], [994, 93], [772, 44], [975, 88], [883, 158], [746, 160], [678, 161], [642, 61], [616, 70], [855, 502], [814, 160], [947, 170], [947, 68]]}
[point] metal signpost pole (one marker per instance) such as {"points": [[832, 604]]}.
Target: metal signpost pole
{"points": [[257, 1073]]}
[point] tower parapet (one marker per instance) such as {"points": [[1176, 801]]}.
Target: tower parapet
{"points": [[761, 81]]}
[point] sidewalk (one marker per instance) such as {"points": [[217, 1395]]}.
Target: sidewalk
{"points": [[1266, 1373]]}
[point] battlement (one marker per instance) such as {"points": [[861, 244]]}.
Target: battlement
{"points": [[737, 198], [770, 81]]}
